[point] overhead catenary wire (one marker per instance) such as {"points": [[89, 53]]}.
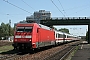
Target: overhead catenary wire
{"points": [[17, 6], [83, 9], [57, 8], [78, 7], [27, 4], [2, 13], [62, 6], [80, 10]]}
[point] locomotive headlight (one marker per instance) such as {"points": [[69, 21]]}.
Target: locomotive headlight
{"points": [[29, 36], [30, 40], [33, 43], [17, 36], [15, 39]]}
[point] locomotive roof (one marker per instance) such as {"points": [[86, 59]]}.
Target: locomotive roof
{"points": [[40, 25], [44, 27]]}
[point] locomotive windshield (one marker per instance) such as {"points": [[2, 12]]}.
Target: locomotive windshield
{"points": [[24, 29], [28, 29]]}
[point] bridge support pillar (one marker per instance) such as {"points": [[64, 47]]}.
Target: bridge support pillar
{"points": [[89, 33]]}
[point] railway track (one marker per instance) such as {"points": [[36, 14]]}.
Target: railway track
{"points": [[4, 43], [43, 54], [60, 55], [67, 53], [12, 56], [6, 57]]}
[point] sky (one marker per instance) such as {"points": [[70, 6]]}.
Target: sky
{"points": [[78, 30], [17, 10]]}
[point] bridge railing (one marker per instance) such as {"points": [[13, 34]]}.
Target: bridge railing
{"points": [[58, 18]]}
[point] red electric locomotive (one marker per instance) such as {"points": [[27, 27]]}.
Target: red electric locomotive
{"points": [[32, 35]]}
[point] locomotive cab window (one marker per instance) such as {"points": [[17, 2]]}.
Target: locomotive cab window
{"points": [[28, 29], [24, 29], [20, 29]]}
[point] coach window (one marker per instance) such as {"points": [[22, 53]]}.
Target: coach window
{"points": [[64, 36], [67, 36], [56, 35], [61, 36]]}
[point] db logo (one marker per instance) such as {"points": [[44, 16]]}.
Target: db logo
{"points": [[22, 36]]}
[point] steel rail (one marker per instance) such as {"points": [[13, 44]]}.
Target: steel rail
{"points": [[65, 55]]}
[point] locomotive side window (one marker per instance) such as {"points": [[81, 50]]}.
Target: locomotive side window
{"points": [[37, 30]]}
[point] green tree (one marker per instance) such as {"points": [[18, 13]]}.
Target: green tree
{"points": [[12, 31], [64, 30], [53, 27], [6, 30]]}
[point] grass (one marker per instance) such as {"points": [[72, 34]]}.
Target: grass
{"points": [[72, 53], [6, 48]]}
